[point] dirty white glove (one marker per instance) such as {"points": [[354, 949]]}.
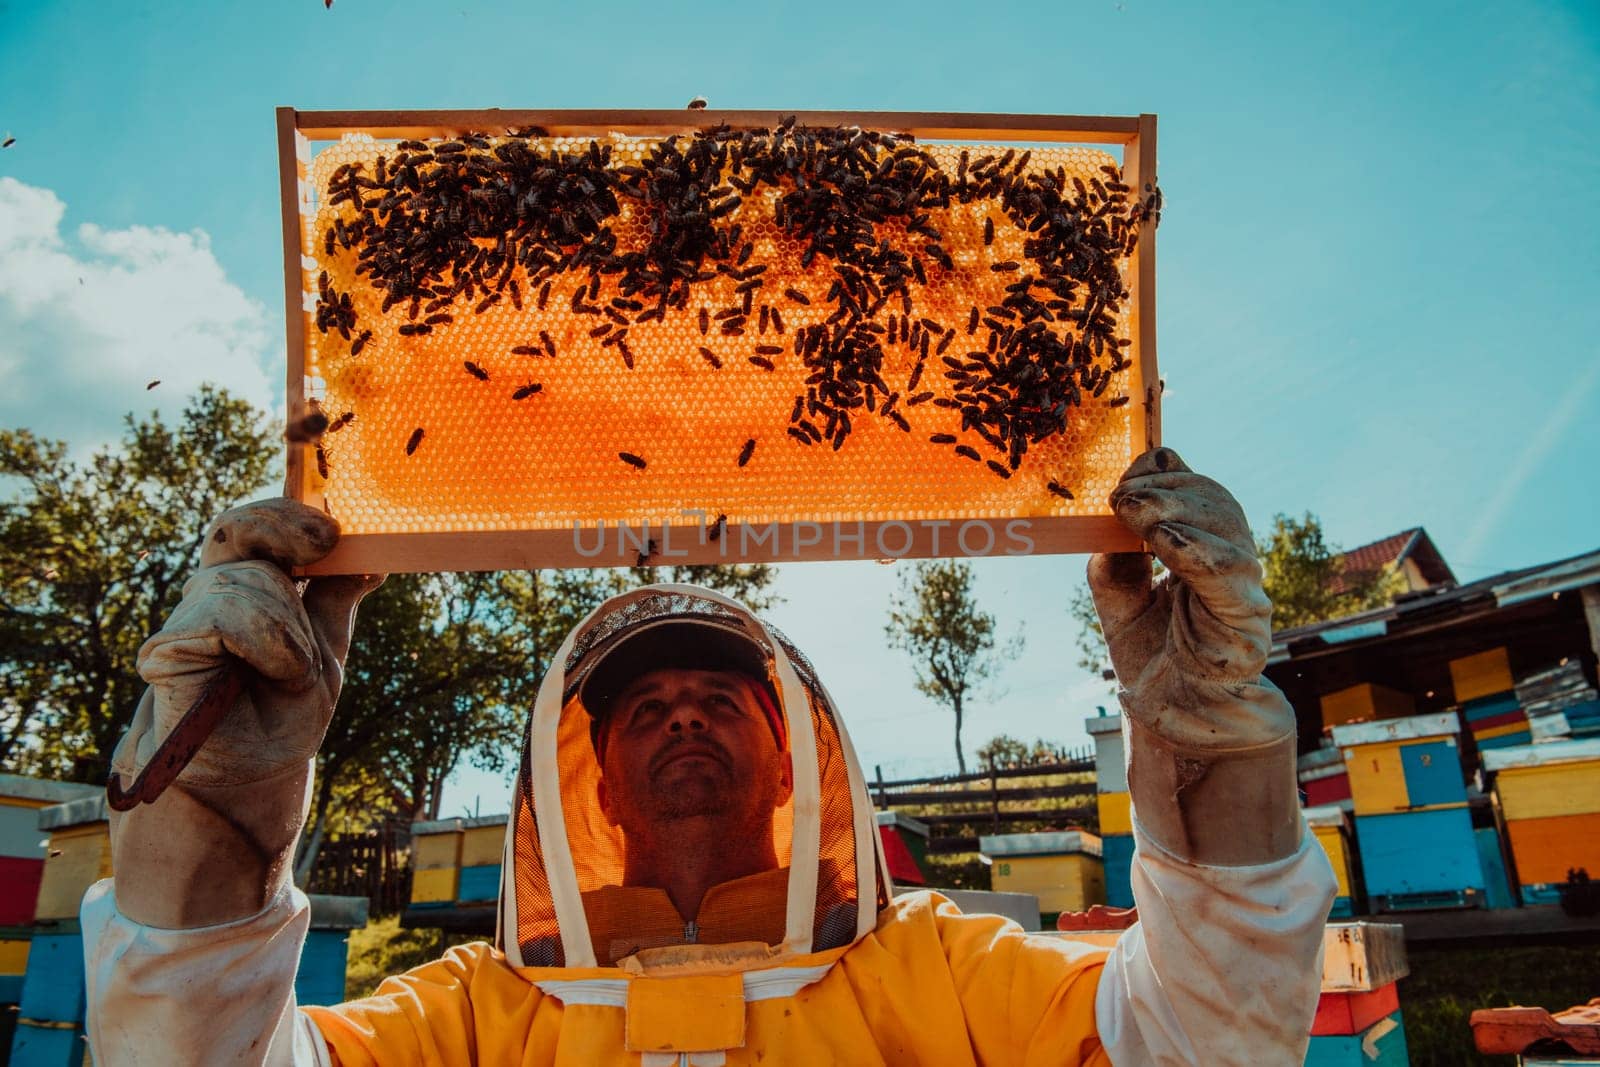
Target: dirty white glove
{"points": [[219, 843], [1210, 742]]}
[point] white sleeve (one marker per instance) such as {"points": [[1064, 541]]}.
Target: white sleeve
{"points": [[1224, 965], [215, 994]]}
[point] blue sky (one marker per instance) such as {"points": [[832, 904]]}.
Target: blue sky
{"points": [[1378, 263]]}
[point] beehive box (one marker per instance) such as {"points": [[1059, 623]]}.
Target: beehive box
{"points": [[905, 846], [1420, 859], [22, 843], [1482, 674], [1062, 868], [1331, 827], [1548, 796], [1358, 703], [1403, 764], [1110, 765], [79, 855], [603, 338], [1324, 778]]}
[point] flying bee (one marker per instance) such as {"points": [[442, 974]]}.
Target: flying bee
{"points": [[747, 451], [526, 391], [715, 533], [307, 428], [415, 440], [632, 460], [476, 371], [645, 556]]}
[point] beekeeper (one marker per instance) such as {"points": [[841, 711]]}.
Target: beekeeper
{"points": [[692, 872]]}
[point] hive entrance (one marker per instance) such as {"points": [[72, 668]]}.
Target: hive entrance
{"points": [[788, 322]]}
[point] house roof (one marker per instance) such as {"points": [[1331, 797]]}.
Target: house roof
{"points": [[1431, 605], [1413, 544]]}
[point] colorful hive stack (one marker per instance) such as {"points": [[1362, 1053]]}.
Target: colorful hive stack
{"points": [[1062, 868], [50, 1023], [22, 856], [50, 1030], [456, 862], [1548, 796], [1358, 1021], [1364, 702], [1332, 828], [1413, 827], [1487, 699], [905, 846], [1116, 808], [1324, 779], [1560, 702]]}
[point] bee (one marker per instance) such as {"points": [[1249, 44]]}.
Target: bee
{"points": [[770, 350], [601, 330], [644, 557], [762, 362], [705, 321], [1004, 266], [900, 421], [797, 296], [322, 462], [747, 451], [988, 231], [632, 460], [360, 342], [341, 422], [919, 270], [799, 436], [415, 440], [526, 391], [441, 319], [710, 357], [516, 294], [549, 345], [476, 371], [766, 315], [627, 353], [1117, 402], [544, 295], [972, 321], [777, 320], [944, 343], [969, 452], [307, 428], [919, 398], [999, 468], [1059, 490], [527, 350], [715, 533], [152, 384]]}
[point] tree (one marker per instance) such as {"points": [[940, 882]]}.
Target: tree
{"points": [[935, 617], [93, 557], [1004, 752], [1303, 575], [1307, 578]]}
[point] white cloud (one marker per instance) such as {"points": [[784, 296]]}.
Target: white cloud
{"points": [[86, 323]]}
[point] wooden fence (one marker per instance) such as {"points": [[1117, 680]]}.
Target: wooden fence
{"points": [[960, 808], [375, 865]]}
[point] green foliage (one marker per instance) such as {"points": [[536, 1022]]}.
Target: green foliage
{"points": [[93, 556], [1447, 985], [1004, 752], [935, 617], [1306, 577], [382, 949]]}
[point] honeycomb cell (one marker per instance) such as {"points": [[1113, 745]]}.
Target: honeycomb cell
{"points": [[903, 330]]}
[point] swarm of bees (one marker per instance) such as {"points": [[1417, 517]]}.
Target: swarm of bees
{"points": [[441, 226]]}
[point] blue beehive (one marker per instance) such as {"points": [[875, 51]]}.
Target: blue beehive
{"points": [[325, 957], [1420, 859], [1383, 1044], [1117, 853]]}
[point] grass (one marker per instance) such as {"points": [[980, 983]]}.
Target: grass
{"points": [[382, 948], [1447, 985]]}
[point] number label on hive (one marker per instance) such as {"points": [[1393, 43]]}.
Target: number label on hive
{"points": [[560, 347]]}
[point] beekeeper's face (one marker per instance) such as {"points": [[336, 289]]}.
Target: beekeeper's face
{"points": [[685, 744]]}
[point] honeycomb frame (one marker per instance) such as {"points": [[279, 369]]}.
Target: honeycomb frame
{"points": [[718, 531]]}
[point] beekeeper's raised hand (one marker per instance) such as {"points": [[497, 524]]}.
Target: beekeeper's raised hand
{"points": [[1211, 742], [218, 842]]}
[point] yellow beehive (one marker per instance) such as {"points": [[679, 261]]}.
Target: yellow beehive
{"points": [[1063, 868], [435, 861], [13, 956], [78, 857], [1116, 813], [483, 846], [1481, 675], [535, 334], [1365, 701]]}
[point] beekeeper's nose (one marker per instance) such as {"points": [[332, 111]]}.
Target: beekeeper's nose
{"points": [[686, 716]]}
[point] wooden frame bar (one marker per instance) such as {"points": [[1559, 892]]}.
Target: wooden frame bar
{"points": [[685, 544]]}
